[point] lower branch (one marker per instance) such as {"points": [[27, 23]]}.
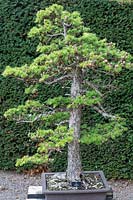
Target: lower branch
{"points": [[37, 118], [57, 80], [93, 87], [103, 112], [63, 122]]}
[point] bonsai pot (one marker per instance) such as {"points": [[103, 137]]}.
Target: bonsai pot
{"points": [[76, 194]]}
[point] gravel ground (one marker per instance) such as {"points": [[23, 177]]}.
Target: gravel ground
{"points": [[14, 186]]}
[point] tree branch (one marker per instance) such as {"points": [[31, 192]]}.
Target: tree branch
{"points": [[104, 72], [56, 34], [94, 87], [67, 25], [62, 122], [72, 64], [29, 121], [37, 118], [103, 112], [57, 80], [65, 30]]}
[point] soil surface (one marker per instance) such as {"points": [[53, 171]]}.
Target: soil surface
{"points": [[89, 181], [14, 186]]}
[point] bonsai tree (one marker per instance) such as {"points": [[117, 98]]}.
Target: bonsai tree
{"points": [[67, 52]]}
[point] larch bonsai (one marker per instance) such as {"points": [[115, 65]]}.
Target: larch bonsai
{"points": [[68, 51]]}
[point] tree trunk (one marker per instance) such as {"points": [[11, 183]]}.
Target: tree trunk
{"points": [[74, 162]]}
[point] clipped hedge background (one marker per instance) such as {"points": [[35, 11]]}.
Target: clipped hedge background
{"points": [[108, 19]]}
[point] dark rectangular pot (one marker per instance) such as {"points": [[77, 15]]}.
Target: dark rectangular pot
{"points": [[97, 194]]}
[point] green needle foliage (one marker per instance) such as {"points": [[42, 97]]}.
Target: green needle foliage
{"points": [[66, 46]]}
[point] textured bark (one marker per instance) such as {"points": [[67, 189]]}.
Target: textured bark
{"points": [[74, 162]]}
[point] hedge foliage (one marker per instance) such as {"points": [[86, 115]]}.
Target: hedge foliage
{"points": [[108, 19]]}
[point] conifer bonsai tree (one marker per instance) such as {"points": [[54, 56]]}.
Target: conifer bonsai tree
{"points": [[67, 52]]}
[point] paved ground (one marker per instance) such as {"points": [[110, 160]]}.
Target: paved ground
{"points": [[123, 190], [14, 186]]}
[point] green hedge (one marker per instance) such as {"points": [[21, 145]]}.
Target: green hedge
{"points": [[109, 19]]}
